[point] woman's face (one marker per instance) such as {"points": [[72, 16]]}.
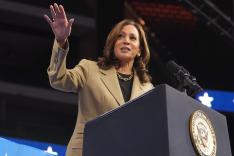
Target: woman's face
{"points": [[127, 45]]}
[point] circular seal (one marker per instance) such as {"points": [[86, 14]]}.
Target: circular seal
{"points": [[202, 134]]}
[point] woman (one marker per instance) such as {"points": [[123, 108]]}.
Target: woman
{"points": [[120, 75]]}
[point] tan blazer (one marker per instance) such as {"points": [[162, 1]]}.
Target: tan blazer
{"points": [[98, 91]]}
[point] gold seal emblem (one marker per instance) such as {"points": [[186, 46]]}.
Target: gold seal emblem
{"points": [[202, 134]]}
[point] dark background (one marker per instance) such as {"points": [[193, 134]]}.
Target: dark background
{"points": [[31, 109]]}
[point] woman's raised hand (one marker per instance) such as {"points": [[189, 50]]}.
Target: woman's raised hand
{"points": [[59, 24]]}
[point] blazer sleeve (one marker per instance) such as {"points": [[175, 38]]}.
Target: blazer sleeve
{"points": [[61, 78]]}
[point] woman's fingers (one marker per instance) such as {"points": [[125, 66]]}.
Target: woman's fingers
{"points": [[56, 8], [52, 11], [48, 20], [71, 21], [57, 11], [62, 11]]}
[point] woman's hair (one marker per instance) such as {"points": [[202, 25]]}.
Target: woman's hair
{"points": [[140, 63]]}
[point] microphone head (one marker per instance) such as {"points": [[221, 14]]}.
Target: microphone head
{"points": [[185, 80]]}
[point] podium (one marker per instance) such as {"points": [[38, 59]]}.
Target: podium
{"points": [[154, 124], [10, 148]]}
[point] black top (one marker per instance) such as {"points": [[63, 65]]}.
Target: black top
{"points": [[126, 86]]}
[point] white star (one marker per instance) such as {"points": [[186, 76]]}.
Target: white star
{"points": [[50, 151], [5, 154], [206, 99]]}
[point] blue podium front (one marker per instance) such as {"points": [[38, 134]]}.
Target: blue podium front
{"points": [[9, 148]]}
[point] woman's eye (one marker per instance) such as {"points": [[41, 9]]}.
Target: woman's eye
{"points": [[120, 36], [133, 38]]}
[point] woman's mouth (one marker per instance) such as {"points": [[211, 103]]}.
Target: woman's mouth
{"points": [[125, 49]]}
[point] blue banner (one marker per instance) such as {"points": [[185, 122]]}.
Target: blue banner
{"points": [[218, 100], [9, 146]]}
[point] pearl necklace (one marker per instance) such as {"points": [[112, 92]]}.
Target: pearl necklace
{"points": [[125, 78]]}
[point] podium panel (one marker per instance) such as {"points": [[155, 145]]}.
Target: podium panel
{"points": [[154, 124]]}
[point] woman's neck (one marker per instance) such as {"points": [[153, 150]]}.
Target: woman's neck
{"points": [[125, 68]]}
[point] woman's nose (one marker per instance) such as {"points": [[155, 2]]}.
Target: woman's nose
{"points": [[126, 40]]}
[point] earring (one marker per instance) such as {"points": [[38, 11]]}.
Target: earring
{"points": [[139, 54]]}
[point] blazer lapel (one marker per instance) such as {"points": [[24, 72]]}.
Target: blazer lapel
{"points": [[110, 80], [136, 87]]}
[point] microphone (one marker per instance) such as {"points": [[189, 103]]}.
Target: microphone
{"points": [[186, 81]]}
